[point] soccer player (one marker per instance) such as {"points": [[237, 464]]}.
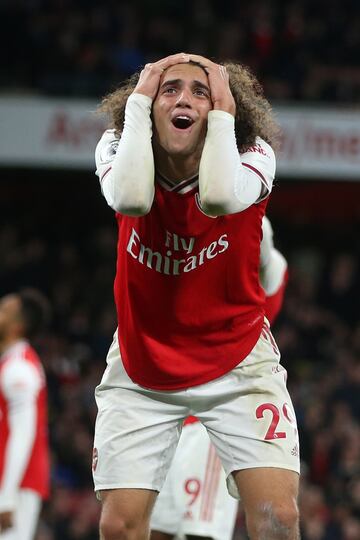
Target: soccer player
{"points": [[188, 167], [194, 501], [24, 459]]}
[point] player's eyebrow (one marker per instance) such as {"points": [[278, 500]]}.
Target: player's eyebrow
{"points": [[177, 82], [200, 84], [172, 82]]}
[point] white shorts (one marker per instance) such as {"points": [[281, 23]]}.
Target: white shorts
{"points": [[28, 506], [194, 499], [247, 412]]}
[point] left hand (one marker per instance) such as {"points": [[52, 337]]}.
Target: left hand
{"points": [[6, 521], [218, 76], [149, 79]]}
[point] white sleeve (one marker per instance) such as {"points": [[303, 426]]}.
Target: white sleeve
{"points": [[20, 384], [125, 166], [273, 264], [267, 242], [230, 182], [272, 274]]}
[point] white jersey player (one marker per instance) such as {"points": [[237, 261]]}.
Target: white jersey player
{"points": [[24, 459], [194, 500]]}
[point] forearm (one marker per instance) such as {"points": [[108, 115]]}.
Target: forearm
{"points": [[17, 455], [129, 186], [225, 185]]}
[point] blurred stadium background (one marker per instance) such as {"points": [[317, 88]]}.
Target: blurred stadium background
{"points": [[59, 58]]}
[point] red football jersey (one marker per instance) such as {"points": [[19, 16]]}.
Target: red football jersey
{"points": [[189, 302], [273, 306], [36, 476]]}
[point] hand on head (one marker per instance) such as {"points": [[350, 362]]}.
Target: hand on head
{"points": [[218, 77], [149, 79]]}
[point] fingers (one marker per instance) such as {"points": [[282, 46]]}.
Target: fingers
{"points": [[224, 73], [219, 83], [210, 67], [183, 58], [158, 67], [150, 76], [179, 58], [202, 61], [164, 63]]}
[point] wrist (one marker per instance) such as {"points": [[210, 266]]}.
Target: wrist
{"points": [[139, 106], [217, 117], [141, 93], [226, 107]]}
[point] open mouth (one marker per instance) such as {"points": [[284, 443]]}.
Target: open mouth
{"points": [[182, 121]]}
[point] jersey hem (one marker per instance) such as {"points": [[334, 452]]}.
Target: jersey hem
{"points": [[194, 381], [188, 384]]}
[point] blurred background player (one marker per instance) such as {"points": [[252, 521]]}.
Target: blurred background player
{"points": [[194, 501], [24, 460]]}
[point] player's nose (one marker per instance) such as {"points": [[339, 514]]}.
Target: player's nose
{"points": [[184, 98]]}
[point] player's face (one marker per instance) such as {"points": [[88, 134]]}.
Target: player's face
{"points": [[9, 314], [180, 110]]}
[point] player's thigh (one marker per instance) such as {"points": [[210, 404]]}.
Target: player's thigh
{"points": [[134, 443], [266, 484], [129, 507], [270, 494], [136, 431], [257, 426]]}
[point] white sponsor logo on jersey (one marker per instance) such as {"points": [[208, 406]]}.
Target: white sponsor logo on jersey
{"points": [[167, 263]]}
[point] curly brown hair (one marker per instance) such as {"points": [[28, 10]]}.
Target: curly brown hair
{"points": [[254, 116]]}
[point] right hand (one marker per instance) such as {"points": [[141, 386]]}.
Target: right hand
{"points": [[6, 521], [218, 77], [149, 79]]}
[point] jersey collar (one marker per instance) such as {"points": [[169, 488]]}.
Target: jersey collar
{"points": [[180, 187]]}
